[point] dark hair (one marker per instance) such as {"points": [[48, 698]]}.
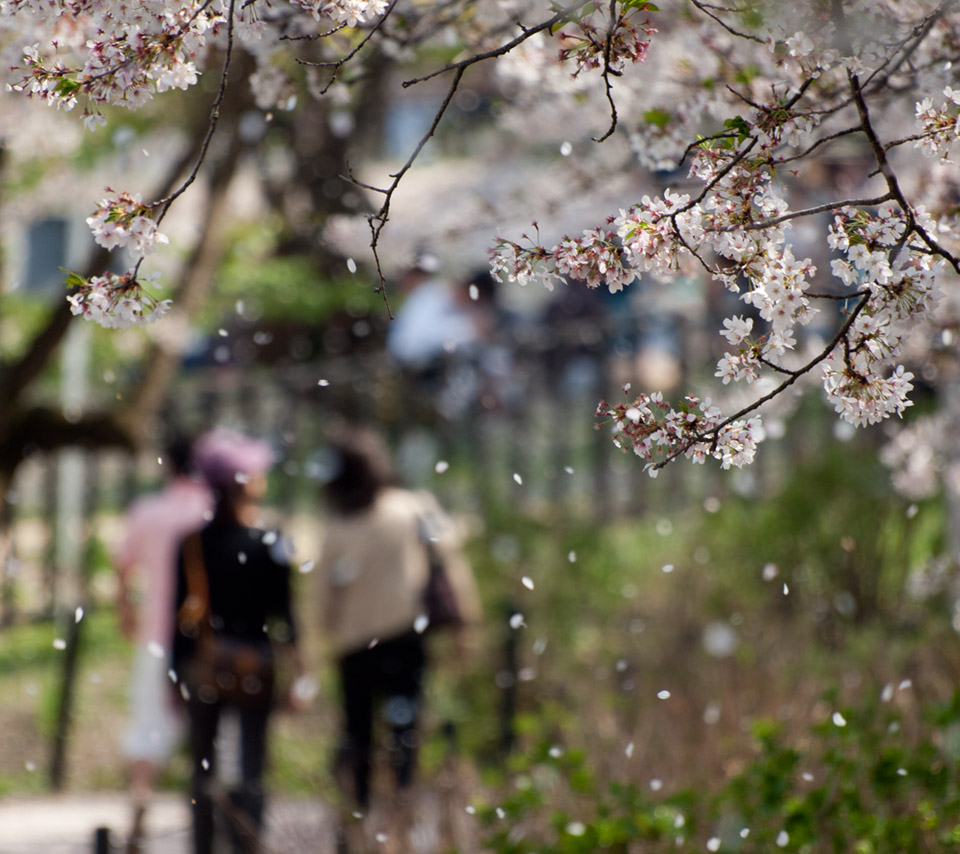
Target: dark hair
{"points": [[361, 468], [485, 284], [179, 455]]}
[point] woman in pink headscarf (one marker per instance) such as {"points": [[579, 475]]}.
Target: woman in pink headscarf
{"points": [[233, 595]]}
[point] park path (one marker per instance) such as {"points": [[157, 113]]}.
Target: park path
{"points": [[67, 824]]}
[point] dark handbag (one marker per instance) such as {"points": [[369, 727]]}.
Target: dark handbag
{"points": [[439, 598], [222, 668]]}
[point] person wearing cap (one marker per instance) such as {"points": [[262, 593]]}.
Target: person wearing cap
{"points": [[247, 601]]}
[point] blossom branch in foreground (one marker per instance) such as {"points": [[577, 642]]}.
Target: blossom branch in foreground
{"points": [[116, 301], [656, 432]]}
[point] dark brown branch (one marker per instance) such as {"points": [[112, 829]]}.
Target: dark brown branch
{"points": [[703, 7], [165, 203], [337, 64], [714, 434], [142, 403], [827, 206], [607, 71], [885, 169], [378, 220], [527, 32]]}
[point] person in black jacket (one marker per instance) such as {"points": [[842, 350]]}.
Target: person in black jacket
{"points": [[233, 602]]}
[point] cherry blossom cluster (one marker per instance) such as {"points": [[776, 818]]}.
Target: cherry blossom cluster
{"points": [[656, 232], [596, 258], [511, 262], [939, 126], [900, 285], [123, 221], [612, 43], [123, 53], [657, 432], [649, 236], [116, 301], [349, 12]]}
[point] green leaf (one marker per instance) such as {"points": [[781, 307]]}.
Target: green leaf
{"points": [[66, 85], [657, 117], [73, 280]]}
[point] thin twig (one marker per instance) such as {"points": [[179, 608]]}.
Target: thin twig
{"points": [[703, 7], [165, 204], [607, 71], [714, 434], [526, 33]]}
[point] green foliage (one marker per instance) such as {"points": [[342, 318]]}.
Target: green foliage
{"points": [[835, 529], [282, 287], [859, 785], [657, 117]]}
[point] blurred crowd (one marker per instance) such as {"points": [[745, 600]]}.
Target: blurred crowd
{"points": [[207, 593]]}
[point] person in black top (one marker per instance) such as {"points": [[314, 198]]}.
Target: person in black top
{"points": [[246, 603]]}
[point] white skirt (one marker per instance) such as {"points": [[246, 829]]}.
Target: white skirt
{"points": [[156, 725]]}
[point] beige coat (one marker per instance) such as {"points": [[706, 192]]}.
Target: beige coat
{"points": [[374, 568]]}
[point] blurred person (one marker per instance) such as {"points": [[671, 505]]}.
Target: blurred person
{"points": [[435, 320], [374, 565], [233, 596], [146, 571]]}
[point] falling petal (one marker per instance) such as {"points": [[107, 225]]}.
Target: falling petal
{"points": [[517, 478], [323, 383], [306, 566], [420, 624], [663, 695], [527, 582], [78, 614], [441, 467], [59, 643], [838, 719]]}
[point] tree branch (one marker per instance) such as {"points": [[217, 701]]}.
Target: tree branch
{"points": [[714, 434]]}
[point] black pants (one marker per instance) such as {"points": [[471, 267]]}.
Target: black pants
{"points": [[390, 675], [245, 806]]}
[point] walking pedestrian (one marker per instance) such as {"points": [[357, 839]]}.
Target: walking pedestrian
{"points": [[233, 608]]}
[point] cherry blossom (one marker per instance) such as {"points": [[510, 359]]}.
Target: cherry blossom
{"points": [[754, 117], [116, 301]]}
